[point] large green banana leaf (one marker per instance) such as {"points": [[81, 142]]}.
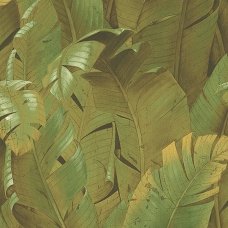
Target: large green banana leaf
{"points": [[34, 37], [113, 115], [180, 34], [209, 112], [49, 180], [75, 153], [180, 194], [81, 56], [77, 18], [209, 115]]}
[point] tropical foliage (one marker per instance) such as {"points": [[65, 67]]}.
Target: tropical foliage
{"points": [[113, 113]]}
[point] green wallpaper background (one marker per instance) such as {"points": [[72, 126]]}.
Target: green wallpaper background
{"points": [[113, 113]]}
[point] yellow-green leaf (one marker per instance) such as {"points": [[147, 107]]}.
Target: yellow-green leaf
{"points": [[180, 34], [78, 17], [208, 113], [180, 194], [81, 56], [19, 111]]}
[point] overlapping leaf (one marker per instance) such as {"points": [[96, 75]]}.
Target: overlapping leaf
{"points": [[114, 119], [121, 106], [53, 174], [8, 28], [129, 96], [37, 35], [180, 194], [7, 25], [78, 55], [209, 112], [77, 18], [180, 34], [19, 112], [6, 217], [209, 115], [110, 12]]}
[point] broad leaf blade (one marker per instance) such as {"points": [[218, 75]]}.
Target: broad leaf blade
{"points": [[45, 172], [78, 18], [19, 111], [180, 35], [7, 220], [167, 197], [208, 113], [79, 56]]}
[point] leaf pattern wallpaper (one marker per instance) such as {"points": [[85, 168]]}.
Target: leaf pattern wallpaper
{"points": [[113, 113]]}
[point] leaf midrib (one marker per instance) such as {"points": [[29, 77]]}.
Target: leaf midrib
{"points": [[50, 196], [187, 188], [179, 40], [72, 29], [137, 127]]}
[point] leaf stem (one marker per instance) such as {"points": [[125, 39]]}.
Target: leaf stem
{"points": [[217, 214], [72, 29], [50, 196], [179, 40]]}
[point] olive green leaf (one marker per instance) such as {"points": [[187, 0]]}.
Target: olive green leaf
{"points": [[117, 216], [36, 38], [46, 180], [222, 22], [19, 111], [84, 214], [85, 148], [4, 55], [180, 193], [7, 25], [8, 28], [217, 51], [22, 43], [108, 108], [43, 13], [118, 77], [208, 113], [7, 219], [219, 216], [82, 56], [23, 6], [180, 34], [78, 17]]}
